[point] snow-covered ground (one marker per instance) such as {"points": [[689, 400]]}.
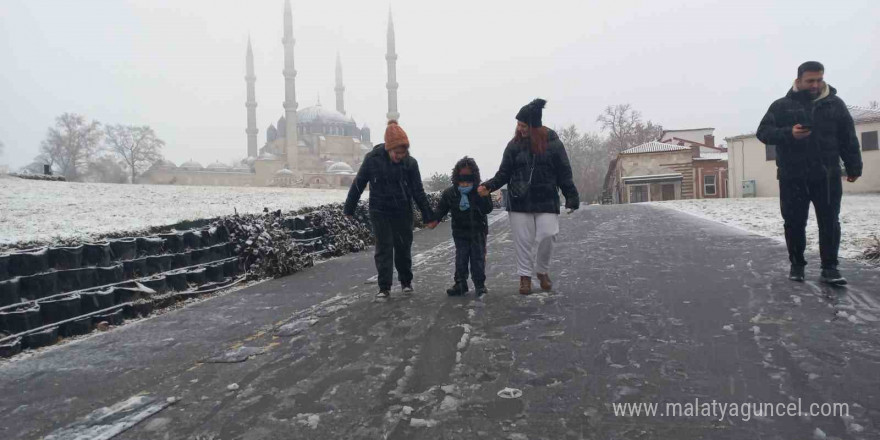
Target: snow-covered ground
{"points": [[859, 218], [37, 211]]}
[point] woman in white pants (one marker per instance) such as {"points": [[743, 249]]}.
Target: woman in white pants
{"points": [[534, 168]]}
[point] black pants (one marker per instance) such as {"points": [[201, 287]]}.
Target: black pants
{"points": [[394, 237], [470, 250], [794, 199]]}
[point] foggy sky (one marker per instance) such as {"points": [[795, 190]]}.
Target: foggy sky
{"points": [[464, 67]]}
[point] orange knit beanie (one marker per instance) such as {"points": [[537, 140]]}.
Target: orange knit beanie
{"points": [[395, 136]]}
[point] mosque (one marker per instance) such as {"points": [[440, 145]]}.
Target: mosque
{"points": [[315, 147]]}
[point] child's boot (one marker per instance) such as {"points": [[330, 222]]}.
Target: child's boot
{"points": [[458, 289], [480, 288]]}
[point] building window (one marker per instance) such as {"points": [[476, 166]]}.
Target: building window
{"points": [[667, 191], [869, 141], [709, 185], [638, 194], [770, 152]]}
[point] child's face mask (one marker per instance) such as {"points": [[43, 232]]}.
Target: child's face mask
{"points": [[465, 180]]}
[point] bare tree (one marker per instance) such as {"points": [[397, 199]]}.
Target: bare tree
{"points": [[438, 182], [625, 127], [1, 148], [874, 105], [106, 169], [71, 144], [137, 147], [588, 154], [36, 166]]}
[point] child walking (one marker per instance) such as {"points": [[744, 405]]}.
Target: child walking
{"points": [[470, 226]]}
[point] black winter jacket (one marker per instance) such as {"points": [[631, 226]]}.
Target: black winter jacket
{"points": [[548, 171], [393, 186], [817, 156], [465, 224]]}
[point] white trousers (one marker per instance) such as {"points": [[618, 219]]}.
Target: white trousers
{"points": [[533, 237]]}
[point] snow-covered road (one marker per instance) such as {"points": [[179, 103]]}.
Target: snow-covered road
{"points": [[648, 305]]}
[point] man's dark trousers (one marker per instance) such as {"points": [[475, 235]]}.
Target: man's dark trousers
{"points": [[394, 237], [470, 250], [795, 196]]}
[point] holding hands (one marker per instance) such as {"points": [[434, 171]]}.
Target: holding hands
{"points": [[432, 224], [483, 191]]}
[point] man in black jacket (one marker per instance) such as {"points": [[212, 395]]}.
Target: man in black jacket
{"points": [[812, 131], [395, 181]]}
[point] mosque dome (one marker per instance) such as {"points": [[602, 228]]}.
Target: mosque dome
{"points": [[164, 163], [284, 172], [217, 166], [319, 114], [191, 165], [340, 168]]}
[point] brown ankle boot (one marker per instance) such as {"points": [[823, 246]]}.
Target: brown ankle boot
{"points": [[525, 285], [544, 278]]}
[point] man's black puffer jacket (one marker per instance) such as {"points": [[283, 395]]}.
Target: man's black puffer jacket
{"points": [[817, 156], [393, 186]]}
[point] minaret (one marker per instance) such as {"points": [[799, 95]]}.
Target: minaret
{"points": [[391, 57], [290, 105], [340, 89], [251, 103]]}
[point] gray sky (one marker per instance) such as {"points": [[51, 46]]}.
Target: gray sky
{"points": [[464, 67]]}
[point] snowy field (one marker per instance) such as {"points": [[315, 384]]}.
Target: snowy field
{"points": [[859, 218], [42, 212]]}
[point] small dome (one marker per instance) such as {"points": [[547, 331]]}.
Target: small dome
{"points": [[267, 156], [192, 165], [217, 166], [340, 168], [162, 165], [250, 160], [284, 172], [281, 131]]}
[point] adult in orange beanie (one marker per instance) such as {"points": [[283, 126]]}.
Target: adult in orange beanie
{"points": [[395, 182]]}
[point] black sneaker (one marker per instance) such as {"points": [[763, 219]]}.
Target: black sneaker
{"points": [[407, 288], [481, 290], [796, 273], [457, 289], [384, 293], [833, 277]]}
